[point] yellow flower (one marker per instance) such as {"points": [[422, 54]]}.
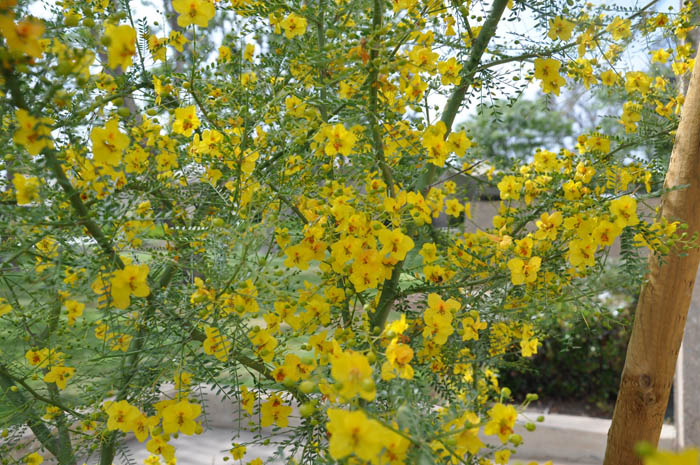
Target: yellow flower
{"points": [[33, 459], [522, 272], [397, 326], [132, 280], [179, 417], [501, 457], [438, 318], [353, 433], [264, 344], [434, 142], [437, 327], [398, 357], [441, 307], [687, 457], [248, 52], [453, 207], [238, 451], [298, 256], [75, 309], [294, 25], [27, 188], [39, 358], [108, 143], [449, 72], [295, 107], [619, 28], [466, 435], [547, 70], [395, 447], [249, 79], [659, 56], [584, 173], [157, 47], [247, 400], [546, 161], [120, 415], [159, 445], [340, 140], [423, 58], [609, 77], [395, 243], [510, 187], [274, 411], [224, 54], [528, 347], [59, 375], [548, 226], [582, 252], [122, 45], [215, 344], [119, 341], [458, 142], [561, 28], [198, 12], [572, 189], [472, 325], [605, 233], [34, 134], [415, 89], [428, 252], [141, 425], [624, 210], [182, 379], [598, 143], [178, 40], [502, 420], [186, 121], [352, 372], [637, 81], [23, 36], [5, 308], [523, 247]]}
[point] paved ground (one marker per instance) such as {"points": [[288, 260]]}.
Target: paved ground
{"points": [[210, 448], [213, 445]]}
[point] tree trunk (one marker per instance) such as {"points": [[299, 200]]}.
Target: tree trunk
{"points": [[663, 304]]}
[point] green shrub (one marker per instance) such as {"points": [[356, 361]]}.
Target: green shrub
{"points": [[580, 360]]}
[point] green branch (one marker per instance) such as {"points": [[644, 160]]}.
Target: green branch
{"points": [[468, 73], [42, 433], [373, 84]]}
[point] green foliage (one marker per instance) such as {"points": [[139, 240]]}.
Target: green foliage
{"points": [[580, 362]]}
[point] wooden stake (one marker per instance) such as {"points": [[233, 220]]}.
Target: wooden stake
{"points": [[663, 304]]}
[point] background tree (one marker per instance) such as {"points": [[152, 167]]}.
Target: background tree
{"points": [[504, 131]]}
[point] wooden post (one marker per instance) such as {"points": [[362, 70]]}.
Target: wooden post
{"points": [[663, 304]]}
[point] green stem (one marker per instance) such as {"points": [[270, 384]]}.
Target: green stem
{"points": [[42, 433], [5, 373], [387, 297], [129, 369], [377, 15], [388, 294], [321, 33], [65, 447], [470, 69], [389, 291], [55, 167]]}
